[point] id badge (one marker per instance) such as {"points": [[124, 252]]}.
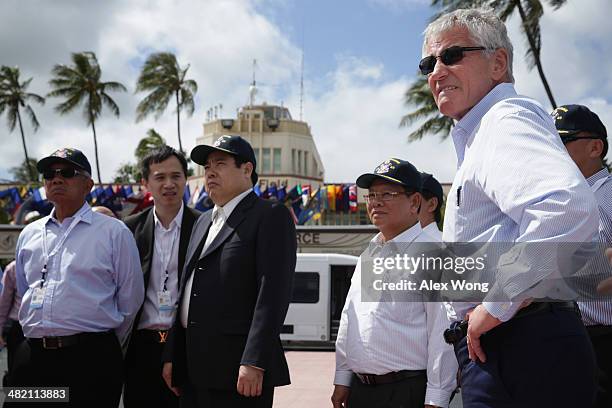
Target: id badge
{"points": [[38, 295], [165, 302]]}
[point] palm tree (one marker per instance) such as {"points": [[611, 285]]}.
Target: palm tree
{"points": [[81, 83], [420, 95], [23, 173], [530, 11], [152, 141], [163, 78], [13, 95]]}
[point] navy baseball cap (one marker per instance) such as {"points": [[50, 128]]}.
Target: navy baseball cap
{"points": [[68, 155], [431, 185], [394, 171], [232, 144], [572, 119]]}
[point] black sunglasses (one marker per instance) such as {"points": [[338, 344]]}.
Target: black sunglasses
{"points": [[449, 56], [569, 139], [68, 172]]}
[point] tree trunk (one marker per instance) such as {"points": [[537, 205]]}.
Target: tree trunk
{"points": [[93, 127], [25, 150], [178, 121], [536, 54]]}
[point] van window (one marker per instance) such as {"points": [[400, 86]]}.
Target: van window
{"points": [[305, 287]]}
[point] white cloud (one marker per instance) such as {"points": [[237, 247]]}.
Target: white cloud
{"points": [[399, 5]]}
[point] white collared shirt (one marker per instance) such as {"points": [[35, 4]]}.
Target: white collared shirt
{"points": [[165, 252], [433, 231], [219, 216], [382, 337]]}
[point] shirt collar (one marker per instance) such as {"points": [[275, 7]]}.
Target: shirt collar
{"points": [[599, 175], [464, 129], [407, 236], [229, 207], [85, 213], [176, 221]]}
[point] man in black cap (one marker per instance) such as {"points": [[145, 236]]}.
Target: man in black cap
{"points": [[224, 348], [391, 353], [431, 207], [80, 278], [585, 138]]}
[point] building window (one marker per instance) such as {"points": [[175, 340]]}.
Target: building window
{"points": [[293, 166], [305, 163], [256, 151], [299, 166], [266, 165], [276, 160], [305, 287]]}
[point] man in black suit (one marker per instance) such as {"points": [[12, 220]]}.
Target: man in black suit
{"points": [[224, 349], [162, 236]]}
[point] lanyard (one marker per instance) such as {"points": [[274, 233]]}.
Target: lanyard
{"points": [[165, 256], [58, 246]]}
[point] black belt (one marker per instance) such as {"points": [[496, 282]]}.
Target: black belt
{"points": [[599, 330], [58, 342], [373, 379], [458, 330], [154, 336]]}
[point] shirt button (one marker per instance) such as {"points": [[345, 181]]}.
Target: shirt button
{"points": [[194, 294]]}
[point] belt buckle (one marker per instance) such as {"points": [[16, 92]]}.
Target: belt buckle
{"points": [[366, 379], [51, 343], [163, 336]]}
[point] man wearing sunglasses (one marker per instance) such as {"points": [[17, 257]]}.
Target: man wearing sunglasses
{"points": [[81, 282], [586, 140], [390, 352], [514, 184]]}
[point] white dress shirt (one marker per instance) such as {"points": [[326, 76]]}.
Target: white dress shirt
{"points": [[165, 258], [515, 183], [433, 231], [382, 337], [219, 216]]}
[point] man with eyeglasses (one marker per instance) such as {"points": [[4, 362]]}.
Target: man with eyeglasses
{"points": [[390, 353], [514, 184], [81, 282], [586, 140]]}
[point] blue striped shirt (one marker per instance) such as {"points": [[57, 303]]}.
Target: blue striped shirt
{"points": [[515, 183], [93, 283], [600, 312]]}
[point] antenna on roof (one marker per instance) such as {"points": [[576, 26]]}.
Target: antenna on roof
{"points": [[253, 87]]}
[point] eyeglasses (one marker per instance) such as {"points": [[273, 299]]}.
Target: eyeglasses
{"points": [[449, 56], [67, 173], [384, 196], [567, 139]]}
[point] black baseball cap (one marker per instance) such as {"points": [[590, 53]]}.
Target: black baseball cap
{"points": [[431, 185], [68, 155], [232, 144], [572, 119], [394, 171]]}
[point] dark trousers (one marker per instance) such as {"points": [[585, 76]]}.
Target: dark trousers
{"points": [[540, 360], [144, 385], [407, 393], [13, 335], [601, 338], [92, 369], [213, 398]]}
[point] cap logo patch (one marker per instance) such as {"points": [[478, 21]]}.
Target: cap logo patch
{"points": [[220, 140], [558, 113], [384, 167], [64, 153]]}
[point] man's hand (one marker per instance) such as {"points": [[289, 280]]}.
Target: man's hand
{"points": [[605, 287], [340, 396], [479, 322], [167, 374], [250, 381]]}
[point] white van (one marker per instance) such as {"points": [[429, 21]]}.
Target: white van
{"points": [[320, 286]]}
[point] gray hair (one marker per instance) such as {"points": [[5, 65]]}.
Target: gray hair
{"points": [[484, 27]]}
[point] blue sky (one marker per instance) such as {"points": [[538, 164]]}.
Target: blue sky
{"points": [[360, 57]]}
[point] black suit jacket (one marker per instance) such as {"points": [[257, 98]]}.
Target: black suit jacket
{"points": [[142, 226], [239, 298]]}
